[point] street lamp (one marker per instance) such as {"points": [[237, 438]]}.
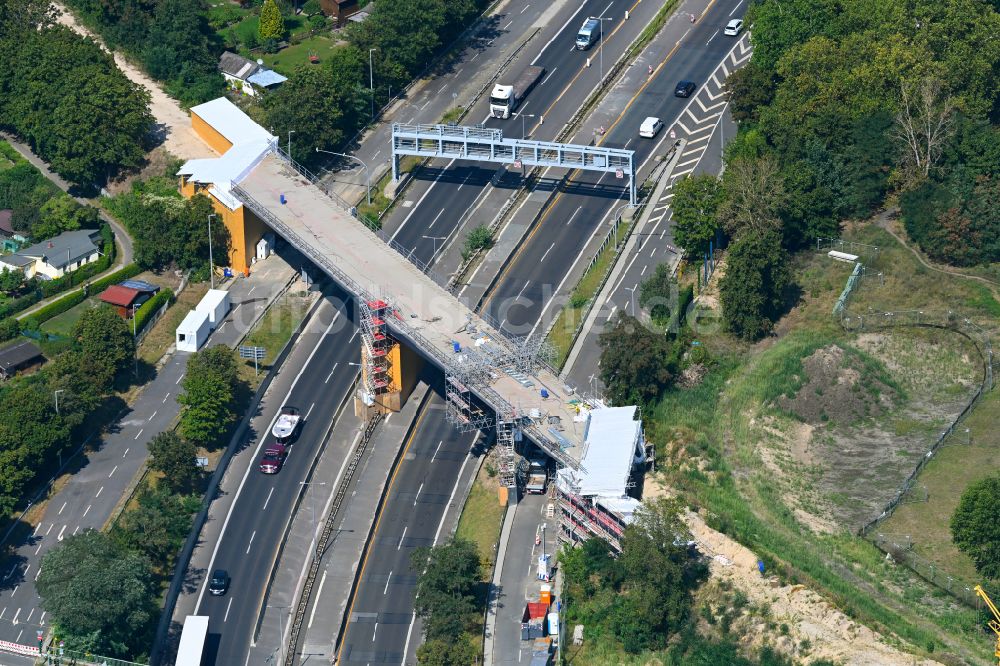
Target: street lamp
{"points": [[281, 631], [368, 181], [523, 116], [290, 133], [631, 291], [56, 394], [135, 347], [312, 502], [434, 239], [211, 265], [602, 19], [371, 79]]}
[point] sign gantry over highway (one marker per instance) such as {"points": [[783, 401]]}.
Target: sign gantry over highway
{"points": [[488, 145]]}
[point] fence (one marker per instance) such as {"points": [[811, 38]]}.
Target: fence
{"points": [[60, 656]]}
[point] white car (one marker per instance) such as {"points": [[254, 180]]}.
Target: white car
{"points": [[733, 28], [650, 127]]}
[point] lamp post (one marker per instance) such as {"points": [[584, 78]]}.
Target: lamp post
{"points": [[290, 133], [602, 19], [281, 631], [368, 182], [211, 265], [56, 394], [135, 347], [523, 116], [312, 502], [371, 79], [434, 240], [631, 291]]}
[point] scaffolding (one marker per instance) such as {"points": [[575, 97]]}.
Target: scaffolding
{"points": [[460, 408], [506, 436], [377, 345]]}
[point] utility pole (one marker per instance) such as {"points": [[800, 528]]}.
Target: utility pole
{"points": [[56, 394], [371, 79], [290, 133], [211, 265], [368, 175]]}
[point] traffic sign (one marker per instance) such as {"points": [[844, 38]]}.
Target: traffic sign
{"points": [[257, 353], [619, 173], [517, 164]]}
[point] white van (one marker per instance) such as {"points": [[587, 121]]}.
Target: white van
{"points": [[589, 32], [650, 127]]}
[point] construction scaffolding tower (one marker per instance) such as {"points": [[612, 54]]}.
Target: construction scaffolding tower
{"points": [[460, 410], [377, 345], [506, 436]]}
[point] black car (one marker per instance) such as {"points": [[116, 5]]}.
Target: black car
{"points": [[684, 89], [219, 583]]}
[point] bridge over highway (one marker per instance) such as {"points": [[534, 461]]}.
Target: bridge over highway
{"points": [[401, 302]]}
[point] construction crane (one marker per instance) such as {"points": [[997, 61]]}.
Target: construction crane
{"points": [[994, 624]]}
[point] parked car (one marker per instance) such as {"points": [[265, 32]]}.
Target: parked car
{"points": [[684, 89], [273, 458], [733, 28], [650, 127], [219, 583]]}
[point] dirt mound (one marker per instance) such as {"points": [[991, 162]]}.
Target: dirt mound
{"points": [[815, 628], [838, 387]]}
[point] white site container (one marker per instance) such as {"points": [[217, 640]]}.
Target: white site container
{"points": [[216, 305], [193, 331]]}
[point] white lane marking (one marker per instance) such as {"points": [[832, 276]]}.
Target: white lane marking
{"points": [[75, 530], [138, 433], [578, 208], [38, 549], [246, 475], [309, 411], [400, 545], [41, 620], [503, 28], [228, 606], [51, 525], [87, 510], [417, 496], [37, 527], [440, 213], [178, 380], [423, 196], [711, 38], [612, 313], [2, 612], [126, 452], [643, 270], [387, 579], [113, 471], [95, 496], [271, 492], [61, 508], [525, 8], [332, 370], [463, 184], [152, 415], [251, 541], [18, 639], [18, 613], [436, 450], [319, 591], [736, 7], [166, 396], [28, 619], [376, 624], [535, 61], [458, 479]]}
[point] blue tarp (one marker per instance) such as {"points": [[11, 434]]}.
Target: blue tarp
{"points": [[265, 78]]}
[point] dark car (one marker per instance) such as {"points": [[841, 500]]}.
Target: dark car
{"points": [[684, 89], [219, 583], [273, 458]]}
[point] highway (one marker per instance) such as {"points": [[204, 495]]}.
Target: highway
{"points": [[530, 280], [444, 192], [254, 527], [381, 621]]}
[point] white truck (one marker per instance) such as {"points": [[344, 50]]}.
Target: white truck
{"points": [[285, 428], [505, 98]]}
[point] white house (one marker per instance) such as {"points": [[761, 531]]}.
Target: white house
{"points": [[246, 75], [55, 257]]}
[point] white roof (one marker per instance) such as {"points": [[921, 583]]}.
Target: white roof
{"points": [[211, 299], [624, 507], [228, 120], [613, 440], [193, 321], [223, 171], [649, 122]]}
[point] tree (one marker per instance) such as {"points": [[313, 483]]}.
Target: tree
{"points": [[100, 596], [753, 287], [480, 238], [445, 594], [696, 205], [209, 387], [272, 25], [974, 526], [752, 196], [11, 281], [174, 457], [635, 362], [104, 337], [309, 104], [924, 123], [658, 294], [60, 214], [157, 525], [456, 651]]}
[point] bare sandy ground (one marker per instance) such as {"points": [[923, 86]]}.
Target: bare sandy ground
{"points": [[173, 123]]}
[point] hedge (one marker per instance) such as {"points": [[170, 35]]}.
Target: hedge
{"points": [[149, 308], [10, 328], [122, 273], [63, 304]]}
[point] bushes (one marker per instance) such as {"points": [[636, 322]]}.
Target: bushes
{"points": [[150, 307], [63, 304]]}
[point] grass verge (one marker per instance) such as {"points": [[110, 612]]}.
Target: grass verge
{"points": [[275, 328], [162, 334], [373, 213]]}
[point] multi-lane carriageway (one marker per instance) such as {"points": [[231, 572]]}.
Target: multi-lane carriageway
{"points": [[238, 540]]}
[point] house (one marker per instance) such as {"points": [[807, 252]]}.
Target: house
{"points": [[247, 76], [22, 357], [55, 257], [124, 299], [242, 144], [10, 239], [341, 10]]}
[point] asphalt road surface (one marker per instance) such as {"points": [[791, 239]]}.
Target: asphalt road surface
{"points": [[531, 278]]}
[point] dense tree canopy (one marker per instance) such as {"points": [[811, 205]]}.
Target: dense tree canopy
{"points": [[99, 595], [696, 206], [102, 337], [174, 457], [974, 526], [209, 392], [753, 288], [636, 363]]}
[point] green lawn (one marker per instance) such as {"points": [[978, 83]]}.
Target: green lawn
{"points": [[276, 327], [63, 324], [481, 519], [286, 60]]}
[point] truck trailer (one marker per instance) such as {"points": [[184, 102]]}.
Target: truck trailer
{"points": [[505, 98]]}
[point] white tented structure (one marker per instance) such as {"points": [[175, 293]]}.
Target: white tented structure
{"points": [[193, 331], [216, 305], [594, 500]]}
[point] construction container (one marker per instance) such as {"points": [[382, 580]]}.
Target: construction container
{"points": [[216, 305], [554, 625], [545, 596], [193, 331]]}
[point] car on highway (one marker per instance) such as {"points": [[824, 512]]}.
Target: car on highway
{"points": [[588, 34], [733, 28], [650, 127], [286, 427], [219, 583], [684, 89], [273, 458]]}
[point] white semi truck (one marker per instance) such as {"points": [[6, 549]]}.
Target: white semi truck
{"points": [[505, 98]]}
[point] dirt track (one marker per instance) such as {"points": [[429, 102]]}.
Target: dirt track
{"points": [[173, 123], [831, 634]]}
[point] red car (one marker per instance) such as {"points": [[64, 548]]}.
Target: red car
{"points": [[273, 458]]}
